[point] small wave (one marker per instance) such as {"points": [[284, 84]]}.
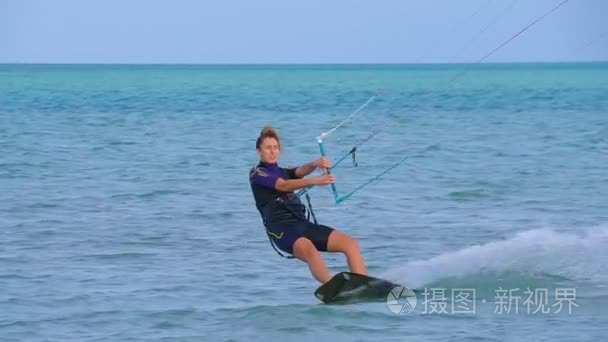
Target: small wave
{"points": [[158, 193], [119, 143], [115, 256], [42, 205], [173, 313], [301, 311], [468, 194], [146, 195]]}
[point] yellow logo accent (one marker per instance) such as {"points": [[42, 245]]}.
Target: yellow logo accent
{"points": [[261, 173], [275, 235]]}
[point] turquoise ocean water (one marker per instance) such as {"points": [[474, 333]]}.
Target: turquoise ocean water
{"points": [[126, 213]]}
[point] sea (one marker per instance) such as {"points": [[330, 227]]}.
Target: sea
{"points": [[126, 212]]}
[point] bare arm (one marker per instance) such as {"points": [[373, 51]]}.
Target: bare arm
{"points": [[295, 184], [308, 168], [305, 170]]}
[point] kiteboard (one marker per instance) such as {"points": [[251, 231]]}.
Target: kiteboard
{"points": [[354, 287]]}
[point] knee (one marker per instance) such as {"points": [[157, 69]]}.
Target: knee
{"points": [[351, 246], [303, 248], [354, 246]]}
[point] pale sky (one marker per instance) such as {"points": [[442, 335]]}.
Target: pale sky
{"points": [[312, 31]]}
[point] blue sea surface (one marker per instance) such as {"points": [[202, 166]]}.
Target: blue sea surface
{"points": [[126, 212]]}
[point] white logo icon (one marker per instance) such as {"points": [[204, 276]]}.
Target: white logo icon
{"points": [[401, 300]]}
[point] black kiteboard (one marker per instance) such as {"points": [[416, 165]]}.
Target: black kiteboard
{"points": [[349, 287]]}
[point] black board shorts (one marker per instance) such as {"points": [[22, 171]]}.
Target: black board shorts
{"points": [[285, 233]]}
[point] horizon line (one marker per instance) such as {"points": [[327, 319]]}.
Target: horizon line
{"points": [[304, 64]]}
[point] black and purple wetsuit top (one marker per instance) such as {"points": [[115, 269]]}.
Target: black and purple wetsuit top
{"points": [[275, 206]]}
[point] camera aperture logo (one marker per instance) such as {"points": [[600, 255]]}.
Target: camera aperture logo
{"points": [[401, 300]]}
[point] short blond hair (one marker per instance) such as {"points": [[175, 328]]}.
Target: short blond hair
{"points": [[267, 132]]}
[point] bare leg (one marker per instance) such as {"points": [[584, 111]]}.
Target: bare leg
{"points": [[304, 250], [340, 242]]}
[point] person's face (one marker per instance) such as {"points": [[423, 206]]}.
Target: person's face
{"points": [[269, 150]]}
